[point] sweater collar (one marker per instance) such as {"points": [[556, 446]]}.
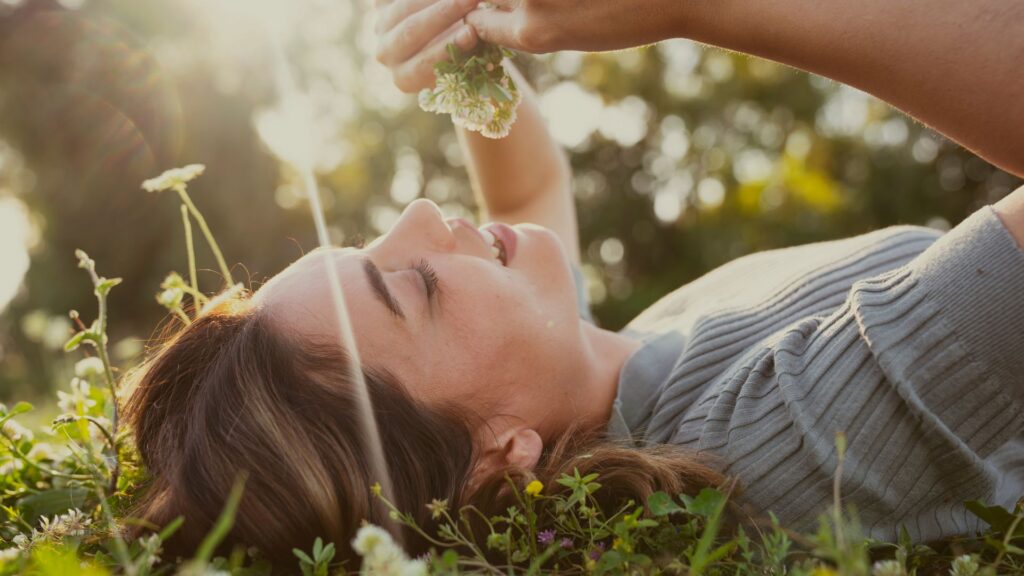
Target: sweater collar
{"points": [[642, 379]]}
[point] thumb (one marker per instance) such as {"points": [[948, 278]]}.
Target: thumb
{"points": [[495, 26]]}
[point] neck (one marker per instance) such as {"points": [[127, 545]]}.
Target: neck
{"points": [[607, 353]]}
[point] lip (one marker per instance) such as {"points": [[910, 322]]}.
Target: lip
{"points": [[508, 238]]}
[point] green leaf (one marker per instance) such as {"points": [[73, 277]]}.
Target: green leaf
{"points": [[499, 93], [51, 502], [224, 523], [20, 408], [105, 284], [302, 556], [707, 502], [75, 341], [661, 504], [171, 528], [996, 516]]}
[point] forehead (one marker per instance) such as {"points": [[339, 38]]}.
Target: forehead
{"points": [[300, 296]]}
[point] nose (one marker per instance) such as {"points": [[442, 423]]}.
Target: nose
{"points": [[420, 226]]}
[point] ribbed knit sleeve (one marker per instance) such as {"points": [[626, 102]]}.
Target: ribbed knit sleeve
{"points": [[922, 367]]}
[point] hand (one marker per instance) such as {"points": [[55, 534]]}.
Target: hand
{"points": [[412, 36], [540, 26]]}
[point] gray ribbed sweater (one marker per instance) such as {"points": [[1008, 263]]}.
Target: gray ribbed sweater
{"points": [[910, 343]]}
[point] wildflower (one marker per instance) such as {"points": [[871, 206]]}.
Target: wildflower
{"points": [[546, 537], [375, 489], [427, 100], [474, 114], [73, 523], [595, 554], [170, 298], [78, 401], [437, 508], [534, 488], [46, 451], [566, 543], [887, 568], [173, 178], [964, 565], [89, 367], [824, 571], [16, 431], [9, 554], [24, 542], [501, 124], [151, 548], [449, 94], [382, 557]]}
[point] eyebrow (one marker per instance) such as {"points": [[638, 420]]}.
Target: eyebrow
{"points": [[380, 288]]}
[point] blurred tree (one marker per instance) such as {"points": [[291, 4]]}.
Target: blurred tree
{"points": [[685, 156]]}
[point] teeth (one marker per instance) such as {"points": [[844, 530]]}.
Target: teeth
{"points": [[491, 240], [495, 251]]}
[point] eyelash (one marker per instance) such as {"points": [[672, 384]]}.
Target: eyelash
{"points": [[429, 277]]}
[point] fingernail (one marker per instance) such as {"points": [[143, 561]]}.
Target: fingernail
{"points": [[465, 35]]}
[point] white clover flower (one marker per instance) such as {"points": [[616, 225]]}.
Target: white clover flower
{"points": [[16, 431], [72, 523], [89, 367], [964, 565], [887, 568], [501, 124], [382, 557], [8, 554], [427, 100], [173, 178], [474, 114], [78, 401]]}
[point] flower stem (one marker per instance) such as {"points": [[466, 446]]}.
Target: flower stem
{"points": [[190, 247], [183, 193]]}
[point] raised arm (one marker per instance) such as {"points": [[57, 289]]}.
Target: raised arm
{"points": [[951, 64]]}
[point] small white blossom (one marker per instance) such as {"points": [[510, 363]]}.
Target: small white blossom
{"points": [[89, 367], [382, 557], [151, 547], [72, 523], [8, 554], [16, 431], [11, 466], [887, 568], [24, 542], [964, 565], [78, 401], [171, 298], [173, 178]]}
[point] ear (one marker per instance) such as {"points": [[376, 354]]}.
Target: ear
{"points": [[518, 447]]}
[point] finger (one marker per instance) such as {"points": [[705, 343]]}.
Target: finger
{"points": [[496, 26], [418, 72], [416, 31], [389, 16]]}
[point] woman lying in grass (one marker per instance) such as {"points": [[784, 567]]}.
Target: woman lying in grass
{"points": [[482, 362]]}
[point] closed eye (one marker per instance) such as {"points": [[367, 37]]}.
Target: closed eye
{"points": [[430, 279]]}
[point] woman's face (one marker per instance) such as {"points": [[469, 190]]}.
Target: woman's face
{"points": [[490, 336]]}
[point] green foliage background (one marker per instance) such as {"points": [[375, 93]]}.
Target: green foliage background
{"points": [[97, 98]]}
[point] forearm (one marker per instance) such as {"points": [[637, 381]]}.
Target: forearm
{"points": [[953, 65], [509, 173]]}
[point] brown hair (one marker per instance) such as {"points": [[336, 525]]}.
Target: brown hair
{"points": [[232, 393]]}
